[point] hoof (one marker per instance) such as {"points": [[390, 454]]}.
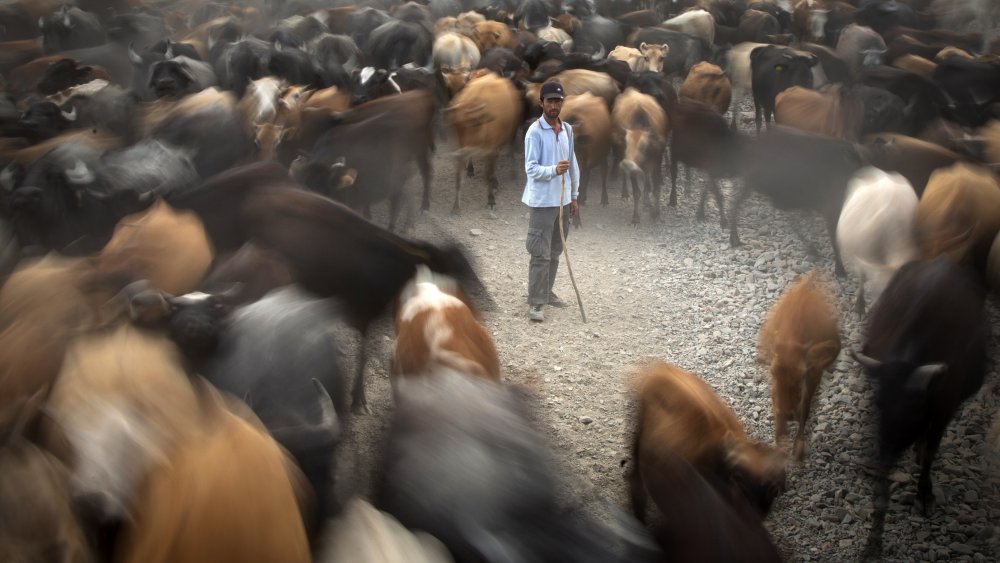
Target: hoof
{"points": [[635, 221], [840, 272], [700, 216], [604, 202], [361, 409], [672, 203], [724, 224], [735, 242], [455, 210]]}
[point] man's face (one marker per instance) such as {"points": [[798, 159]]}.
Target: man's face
{"points": [[551, 107]]}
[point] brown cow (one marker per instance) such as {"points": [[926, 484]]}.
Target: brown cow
{"points": [[916, 64], [579, 81], [485, 116], [680, 412], [435, 326], [42, 307], [831, 112], [640, 137], [959, 214], [227, 494], [991, 142], [707, 83], [122, 401], [489, 34], [167, 247], [646, 57], [800, 339], [591, 123], [38, 522], [915, 159]]}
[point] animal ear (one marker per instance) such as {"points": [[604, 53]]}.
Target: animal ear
{"points": [[643, 47], [822, 354], [496, 35], [27, 413], [921, 377], [134, 57], [869, 364]]}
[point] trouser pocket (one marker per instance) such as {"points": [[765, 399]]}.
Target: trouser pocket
{"points": [[536, 243]]}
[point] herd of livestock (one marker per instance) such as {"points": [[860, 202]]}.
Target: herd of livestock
{"points": [[183, 199]]}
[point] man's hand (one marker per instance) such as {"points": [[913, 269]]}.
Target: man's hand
{"points": [[561, 167], [574, 207]]}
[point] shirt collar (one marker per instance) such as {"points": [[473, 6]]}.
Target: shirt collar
{"points": [[545, 124]]}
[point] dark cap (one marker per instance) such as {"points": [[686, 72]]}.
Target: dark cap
{"points": [[552, 90]]}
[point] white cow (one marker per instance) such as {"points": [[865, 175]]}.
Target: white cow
{"points": [[699, 23], [875, 233]]}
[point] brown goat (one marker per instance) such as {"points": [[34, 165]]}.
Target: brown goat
{"points": [[680, 412], [799, 340]]}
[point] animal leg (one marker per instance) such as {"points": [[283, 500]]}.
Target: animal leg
{"points": [[491, 181], [673, 179], [700, 215], [657, 187], [584, 183], [768, 117], [469, 170], [458, 185], [637, 490], [831, 228], [636, 196], [873, 547], [359, 402], [734, 237], [604, 182], [424, 163], [758, 112], [719, 200], [859, 302], [805, 406], [925, 488]]}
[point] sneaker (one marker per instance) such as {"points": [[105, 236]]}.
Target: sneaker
{"points": [[536, 314], [555, 301]]}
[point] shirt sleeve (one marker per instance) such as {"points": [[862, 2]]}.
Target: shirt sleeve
{"points": [[574, 167], [532, 155]]}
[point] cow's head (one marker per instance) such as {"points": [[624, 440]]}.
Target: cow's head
{"points": [[654, 55], [756, 470], [170, 79], [46, 119], [333, 180], [64, 74], [902, 398]]}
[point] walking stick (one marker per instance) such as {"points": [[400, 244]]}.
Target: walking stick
{"points": [[562, 236]]}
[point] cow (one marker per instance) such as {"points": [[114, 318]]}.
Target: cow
{"points": [[447, 429], [280, 354], [401, 126], [861, 46], [248, 274], [436, 327], [685, 50], [809, 19], [959, 214], [698, 23], [834, 68], [71, 28], [485, 116], [168, 248], [875, 233], [774, 69], [44, 303], [759, 26], [380, 264], [833, 112], [799, 340], [598, 35], [454, 52], [208, 124], [925, 101], [646, 57], [799, 170], [640, 130], [207, 503], [19, 18], [591, 122], [489, 34], [365, 534], [117, 427], [707, 83], [45, 120], [179, 77], [34, 496], [576, 82], [66, 73], [926, 349], [915, 159], [972, 86], [702, 140], [696, 522], [679, 412]]}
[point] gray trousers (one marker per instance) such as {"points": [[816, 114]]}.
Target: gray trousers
{"points": [[545, 246]]}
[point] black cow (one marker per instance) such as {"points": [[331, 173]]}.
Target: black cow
{"points": [[292, 64], [463, 463], [214, 132], [923, 100], [885, 112], [71, 28], [533, 14], [881, 15], [926, 349], [798, 170], [44, 120], [396, 43], [504, 62], [367, 273], [597, 36], [974, 88], [63, 74], [772, 70], [179, 76], [239, 62], [280, 355]]}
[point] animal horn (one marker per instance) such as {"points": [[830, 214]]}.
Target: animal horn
{"points": [[866, 362], [70, 115], [326, 406]]}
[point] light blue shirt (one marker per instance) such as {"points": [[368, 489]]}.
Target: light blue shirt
{"points": [[542, 150]]}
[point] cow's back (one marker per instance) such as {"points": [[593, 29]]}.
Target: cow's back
{"points": [[485, 114]]}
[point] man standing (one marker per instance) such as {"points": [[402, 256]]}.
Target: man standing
{"points": [[548, 156]]}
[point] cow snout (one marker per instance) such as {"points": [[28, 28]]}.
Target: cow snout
{"points": [[197, 336], [26, 198]]}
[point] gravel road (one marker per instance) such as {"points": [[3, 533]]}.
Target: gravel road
{"points": [[675, 290]]}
